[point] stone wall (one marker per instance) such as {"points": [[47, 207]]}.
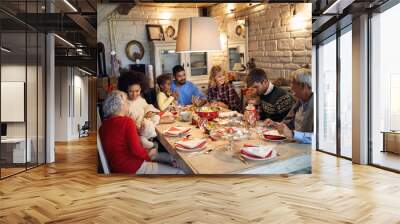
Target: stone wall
{"points": [[277, 41]]}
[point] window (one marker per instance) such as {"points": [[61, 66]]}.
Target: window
{"points": [[326, 135], [385, 88], [346, 93]]}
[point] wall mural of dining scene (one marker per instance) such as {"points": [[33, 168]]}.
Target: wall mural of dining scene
{"points": [[206, 88]]}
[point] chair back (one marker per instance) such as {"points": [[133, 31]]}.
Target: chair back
{"points": [[103, 159]]}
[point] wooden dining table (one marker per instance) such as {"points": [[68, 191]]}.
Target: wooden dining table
{"points": [[217, 159]]}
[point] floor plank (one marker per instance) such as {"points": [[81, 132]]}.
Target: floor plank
{"points": [[70, 191]]}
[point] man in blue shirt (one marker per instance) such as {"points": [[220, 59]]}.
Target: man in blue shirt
{"points": [[185, 89]]}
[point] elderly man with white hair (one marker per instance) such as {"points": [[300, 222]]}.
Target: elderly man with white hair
{"points": [[121, 142], [299, 122]]}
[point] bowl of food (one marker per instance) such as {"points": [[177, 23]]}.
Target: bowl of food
{"points": [[208, 112]]}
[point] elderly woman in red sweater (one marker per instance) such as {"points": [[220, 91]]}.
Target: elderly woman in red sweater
{"points": [[121, 142]]}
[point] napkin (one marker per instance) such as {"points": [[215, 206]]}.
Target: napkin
{"points": [[177, 130], [259, 152], [192, 144]]}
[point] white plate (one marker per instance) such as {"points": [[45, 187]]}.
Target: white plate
{"points": [[259, 159], [270, 140], [190, 150]]}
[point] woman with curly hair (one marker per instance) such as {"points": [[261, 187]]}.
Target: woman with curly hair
{"points": [[144, 114]]}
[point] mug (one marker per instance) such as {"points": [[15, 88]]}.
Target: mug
{"points": [[185, 116]]}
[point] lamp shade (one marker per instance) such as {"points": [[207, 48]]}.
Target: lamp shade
{"points": [[198, 34]]}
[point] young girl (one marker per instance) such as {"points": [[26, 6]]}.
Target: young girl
{"points": [[221, 92], [165, 98]]}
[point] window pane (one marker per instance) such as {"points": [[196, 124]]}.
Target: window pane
{"points": [[327, 97], [385, 84], [346, 94], [14, 153]]}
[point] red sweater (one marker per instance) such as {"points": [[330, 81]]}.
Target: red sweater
{"points": [[121, 144]]}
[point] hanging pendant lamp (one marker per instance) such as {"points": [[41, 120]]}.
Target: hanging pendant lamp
{"points": [[198, 34]]}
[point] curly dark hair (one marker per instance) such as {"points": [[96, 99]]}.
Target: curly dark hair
{"points": [[163, 79], [129, 78]]}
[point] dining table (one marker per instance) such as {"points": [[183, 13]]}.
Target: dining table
{"points": [[291, 157]]}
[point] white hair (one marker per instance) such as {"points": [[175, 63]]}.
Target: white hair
{"points": [[302, 76], [113, 103]]}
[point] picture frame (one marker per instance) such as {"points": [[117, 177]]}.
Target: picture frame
{"points": [[154, 32]]}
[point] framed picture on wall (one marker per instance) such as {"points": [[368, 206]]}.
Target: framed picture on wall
{"points": [[154, 32]]}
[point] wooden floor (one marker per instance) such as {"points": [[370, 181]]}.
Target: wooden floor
{"points": [[70, 191], [387, 159]]}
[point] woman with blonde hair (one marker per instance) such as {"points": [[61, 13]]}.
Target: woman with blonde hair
{"points": [[221, 92]]}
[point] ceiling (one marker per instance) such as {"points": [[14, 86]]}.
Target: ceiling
{"points": [[178, 5], [76, 24], [332, 15]]}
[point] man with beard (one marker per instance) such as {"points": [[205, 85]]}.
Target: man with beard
{"points": [[186, 89], [275, 102]]}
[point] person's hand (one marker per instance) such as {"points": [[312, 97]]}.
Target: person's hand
{"points": [[152, 153], [148, 114], [269, 123], [142, 127], [283, 129], [221, 104], [175, 95]]}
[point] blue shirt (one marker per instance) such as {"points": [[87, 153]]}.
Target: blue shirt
{"points": [[186, 92], [302, 137]]}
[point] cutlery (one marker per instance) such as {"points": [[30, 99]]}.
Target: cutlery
{"points": [[239, 157], [200, 153]]}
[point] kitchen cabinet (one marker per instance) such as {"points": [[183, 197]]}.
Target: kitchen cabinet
{"points": [[164, 58]]}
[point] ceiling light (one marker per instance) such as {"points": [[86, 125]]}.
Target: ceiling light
{"points": [[198, 34], [298, 21], [64, 40], [5, 50], [230, 7], [70, 5]]}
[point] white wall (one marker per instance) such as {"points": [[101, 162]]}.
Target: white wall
{"points": [[125, 28], [69, 85], [33, 127]]}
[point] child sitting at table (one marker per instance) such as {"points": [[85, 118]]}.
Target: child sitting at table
{"points": [[252, 98], [165, 98], [145, 115]]}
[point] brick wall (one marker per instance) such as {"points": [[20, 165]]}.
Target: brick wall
{"points": [[275, 41]]}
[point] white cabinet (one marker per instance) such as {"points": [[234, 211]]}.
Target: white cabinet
{"points": [[164, 58]]}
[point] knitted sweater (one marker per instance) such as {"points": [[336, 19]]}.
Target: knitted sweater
{"points": [[275, 105]]}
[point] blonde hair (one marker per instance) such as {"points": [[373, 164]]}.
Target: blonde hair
{"points": [[213, 72]]}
